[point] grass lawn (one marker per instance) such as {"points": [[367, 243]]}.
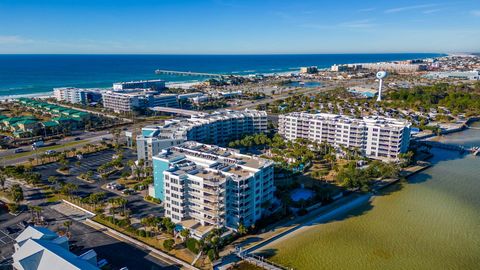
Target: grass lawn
{"points": [[43, 149]]}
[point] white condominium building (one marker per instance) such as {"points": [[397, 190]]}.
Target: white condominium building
{"points": [[376, 137], [205, 186], [149, 84], [216, 128], [76, 95], [123, 102], [127, 101]]}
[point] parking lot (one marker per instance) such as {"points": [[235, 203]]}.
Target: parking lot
{"points": [[140, 208], [83, 238], [10, 228]]}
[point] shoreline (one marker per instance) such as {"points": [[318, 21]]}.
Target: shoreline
{"points": [[186, 84], [328, 212]]}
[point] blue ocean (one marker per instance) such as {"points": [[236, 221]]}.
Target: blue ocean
{"points": [[36, 74]]}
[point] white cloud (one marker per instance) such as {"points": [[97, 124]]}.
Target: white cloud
{"points": [[359, 24], [475, 13], [407, 8], [8, 40], [430, 11], [368, 23]]}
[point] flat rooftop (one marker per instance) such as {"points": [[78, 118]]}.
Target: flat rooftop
{"points": [[211, 162]]}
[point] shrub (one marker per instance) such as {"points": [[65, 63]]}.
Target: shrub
{"points": [[192, 245], [13, 207], [142, 233], [212, 255], [168, 244], [123, 223], [152, 199]]}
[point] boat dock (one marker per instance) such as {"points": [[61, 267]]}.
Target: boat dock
{"points": [[454, 147]]}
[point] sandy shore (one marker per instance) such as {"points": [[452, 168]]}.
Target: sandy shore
{"points": [[35, 95]]}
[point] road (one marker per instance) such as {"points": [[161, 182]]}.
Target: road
{"points": [[85, 138]]}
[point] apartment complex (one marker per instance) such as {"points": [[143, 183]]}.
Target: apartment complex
{"points": [[77, 95], [395, 67], [473, 75], [128, 101], [216, 128], [123, 102], [146, 84], [376, 137], [205, 186]]}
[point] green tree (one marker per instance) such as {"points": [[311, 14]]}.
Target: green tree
{"points": [[168, 244], [185, 233], [16, 192], [2, 181], [53, 180], [242, 230]]}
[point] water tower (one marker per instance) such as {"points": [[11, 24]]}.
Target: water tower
{"points": [[380, 75]]}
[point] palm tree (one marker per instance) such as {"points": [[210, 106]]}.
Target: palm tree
{"points": [[242, 230], [67, 225], [122, 202], [2, 181], [185, 233], [89, 175], [37, 210], [113, 202]]}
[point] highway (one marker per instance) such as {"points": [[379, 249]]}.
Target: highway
{"points": [[84, 138]]}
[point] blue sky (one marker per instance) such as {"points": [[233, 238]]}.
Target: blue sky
{"points": [[238, 26]]}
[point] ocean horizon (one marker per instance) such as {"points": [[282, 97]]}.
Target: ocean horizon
{"points": [[38, 74]]}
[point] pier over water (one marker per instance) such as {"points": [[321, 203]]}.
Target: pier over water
{"points": [[189, 73], [454, 147]]}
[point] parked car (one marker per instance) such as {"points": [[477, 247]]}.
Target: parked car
{"points": [[18, 150], [50, 152], [128, 191], [77, 138]]}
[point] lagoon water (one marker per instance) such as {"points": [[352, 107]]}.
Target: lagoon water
{"points": [[34, 74], [430, 222]]}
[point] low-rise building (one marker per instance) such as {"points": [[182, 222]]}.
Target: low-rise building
{"points": [[41, 249], [156, 85], [473, 75], [217, 128], [309, 70], [395, 67], [375, 137], [205, 186]]}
